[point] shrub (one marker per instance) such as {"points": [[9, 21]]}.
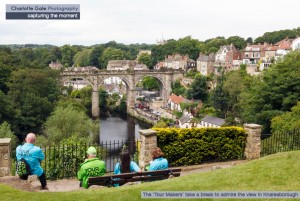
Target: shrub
{"points": [[198, 145]]}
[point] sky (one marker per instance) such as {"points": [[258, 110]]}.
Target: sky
{"points": [[147, 21]]}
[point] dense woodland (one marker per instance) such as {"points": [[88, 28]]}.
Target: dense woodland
{"points": [[31, 99]]}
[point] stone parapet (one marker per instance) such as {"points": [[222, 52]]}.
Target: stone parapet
{"points": [[253, 144], [148, 143], [5, 160]]}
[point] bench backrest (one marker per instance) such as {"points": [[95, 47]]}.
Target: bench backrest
{"points": [[132, 177]]}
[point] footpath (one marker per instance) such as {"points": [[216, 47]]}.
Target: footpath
{"points": [[65, 185]]}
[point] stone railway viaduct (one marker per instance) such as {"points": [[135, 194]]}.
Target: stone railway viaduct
{"points": [[131, 78]]}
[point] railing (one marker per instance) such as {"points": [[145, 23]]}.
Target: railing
{"points": [[279, 142], [63, 160]]}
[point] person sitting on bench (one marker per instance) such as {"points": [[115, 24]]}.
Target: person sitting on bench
{"points": [[91, 167], [125, 165], [158, 163]]}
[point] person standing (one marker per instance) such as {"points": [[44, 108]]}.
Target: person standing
{"points": [[34, 156], [158, 163], [91, 167]]}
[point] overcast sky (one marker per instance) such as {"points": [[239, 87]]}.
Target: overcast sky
{"points": [[146, 21]]}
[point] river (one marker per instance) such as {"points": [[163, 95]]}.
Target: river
{"points": [[116, 129], [120, 127]]}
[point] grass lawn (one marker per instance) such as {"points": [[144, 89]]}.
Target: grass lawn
{"points": [[278, 172]]}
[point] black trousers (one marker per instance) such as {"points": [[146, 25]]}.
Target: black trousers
{"points": [[42, 179]]}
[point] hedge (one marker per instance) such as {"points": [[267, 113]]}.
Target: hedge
{"points": [[192, 146]]}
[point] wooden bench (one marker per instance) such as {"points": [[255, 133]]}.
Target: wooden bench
{"points": [[133, 177]]}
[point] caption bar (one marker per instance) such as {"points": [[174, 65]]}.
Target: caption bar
{"points": [[42, 11], [220, 194]]}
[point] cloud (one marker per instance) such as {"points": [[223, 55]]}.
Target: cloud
{"points": [[145, 21]]}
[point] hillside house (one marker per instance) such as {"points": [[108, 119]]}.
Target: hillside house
{"points": [[205, 64], [125, 65], [233, 60], [176, 61], [174, 102], [55, 65], [210, 121], [296, 44], [220, 56]]}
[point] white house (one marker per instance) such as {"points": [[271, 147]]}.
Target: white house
{"points": [[174, 102], [185, 121], [296, 44], [220, 56]]}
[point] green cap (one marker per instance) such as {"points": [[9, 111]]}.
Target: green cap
{"points": [[91, 150]]}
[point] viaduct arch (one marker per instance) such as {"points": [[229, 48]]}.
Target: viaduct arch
{"points": [[95, 77]]}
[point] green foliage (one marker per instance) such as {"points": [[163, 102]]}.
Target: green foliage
{"points": [[68, 52], [192, 73], [288, 121], [111, 54], [62, 160], [177, 88], [6, 132], [188, 46], [67, 122], [277, 91], [199, 145], [276, 36], [238, 42], [146, 59], [83, 58], [199, 88], [160, 124], [151, 83], [103, 100], [7, 112], [96, 55]]}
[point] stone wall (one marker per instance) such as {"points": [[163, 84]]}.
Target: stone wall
{"points": [[148, 143], [5, 161], [253, 144]]}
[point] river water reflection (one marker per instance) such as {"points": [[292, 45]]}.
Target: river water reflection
{"points": [[120, 127], [115, 129]]}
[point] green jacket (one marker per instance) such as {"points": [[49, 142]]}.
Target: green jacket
{"points": [[90, 168]]}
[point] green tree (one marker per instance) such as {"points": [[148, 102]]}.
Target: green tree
{"points": [[237, 41], [123, 105], [199, 89], [96, 55], [6, 67], [287, 121], [188, 46], [151, 83], [249, 40], [6, 132], [214, 44], [111, 54], [277, 91], [7, 113], [68, 52], [103, 100], [220, 98], [67, 122], [83, 58], [145, 58], [177, 88], [33, 93]]}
